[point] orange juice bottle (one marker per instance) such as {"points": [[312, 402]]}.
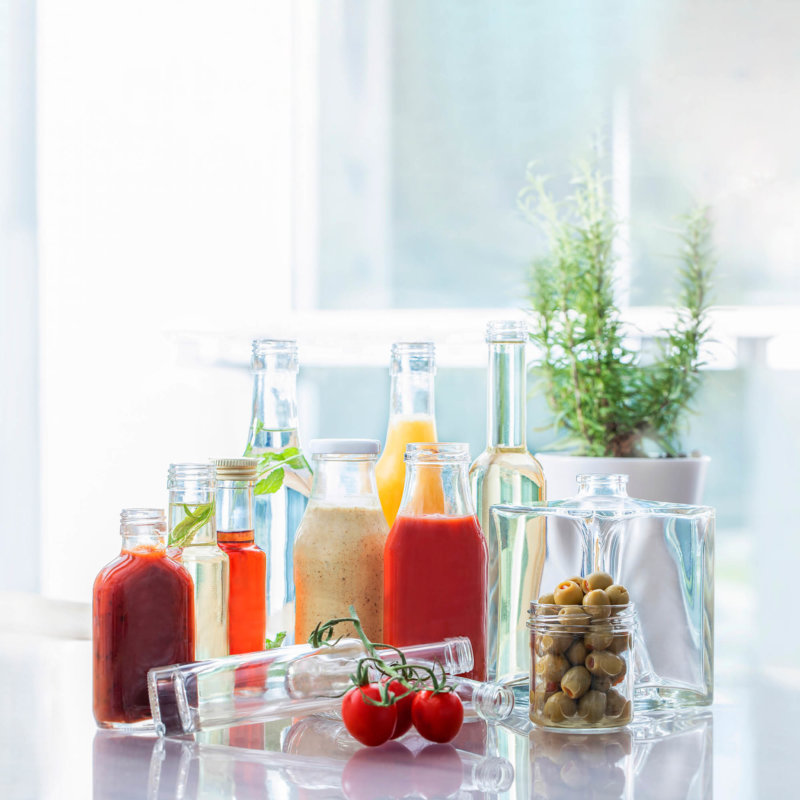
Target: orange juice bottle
{"points": [[411, 418]]}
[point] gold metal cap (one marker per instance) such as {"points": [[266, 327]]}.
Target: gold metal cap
{"points": [[236, 469]]}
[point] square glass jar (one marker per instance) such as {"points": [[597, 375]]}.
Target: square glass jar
{"points": [[663, 553]]}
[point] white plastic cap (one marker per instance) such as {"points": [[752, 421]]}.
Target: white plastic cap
{"points": [[320, 447]]}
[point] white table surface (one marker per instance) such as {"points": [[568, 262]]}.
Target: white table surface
{"points": [[745, 746]]}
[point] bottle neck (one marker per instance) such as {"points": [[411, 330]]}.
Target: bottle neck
{"points": [[349, 480], [143, 528], [193, 501], [412, 393], [602, 484], [437, 488], [506, 394], [234, 506], [274, 405]]}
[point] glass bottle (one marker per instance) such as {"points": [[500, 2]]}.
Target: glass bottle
{"points": [[142, 617], [193, 542], [338, 555], [507, 473], [275, 441], [411, 418], [435, 562], [247, 615]]}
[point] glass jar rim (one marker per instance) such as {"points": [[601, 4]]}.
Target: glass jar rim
{"points": [[437, 453], [513, 331], [545, 616], [356, 448]]}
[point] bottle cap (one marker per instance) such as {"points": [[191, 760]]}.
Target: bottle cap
{"points": [[236, 469], [345, 447], [507, 330]]}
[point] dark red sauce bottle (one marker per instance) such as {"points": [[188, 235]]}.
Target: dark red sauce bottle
{"points": [[143, 617]]}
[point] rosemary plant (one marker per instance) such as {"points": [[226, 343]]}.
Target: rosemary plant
{"points": [[607, 399]]}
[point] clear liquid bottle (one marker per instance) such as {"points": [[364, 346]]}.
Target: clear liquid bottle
{"points": [[193, 542], [507, 473], [274, 440], [411, 418]]}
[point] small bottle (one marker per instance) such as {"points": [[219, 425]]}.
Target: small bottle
{"points": [[193, 542], [435, 562], [274, 440], [338, 556], [505, 472], [247, 614], [142, 617], [411, 418]]}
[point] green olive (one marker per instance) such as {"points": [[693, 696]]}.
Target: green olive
{"points": [[618, 595], [596, 603], [558, 707], [604, 663], [597, 580], [592, 706], [552, 667], [576, 652], [620, 676], [546, 600], [573, 615], [598, 638], [552, 642], [568, 593], [620, 643], [615, 702], [576, 682], [601, 683], [578, 581]]}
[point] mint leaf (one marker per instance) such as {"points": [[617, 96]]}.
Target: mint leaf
{"points": [[272, 482], [196, 517], [271, 644]]}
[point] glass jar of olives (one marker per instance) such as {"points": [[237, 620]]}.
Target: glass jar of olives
{"points": [[581, 665]]}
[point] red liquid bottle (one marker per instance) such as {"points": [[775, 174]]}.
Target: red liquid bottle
{"points": [[435, 561], [143, 617], [247, 608]]}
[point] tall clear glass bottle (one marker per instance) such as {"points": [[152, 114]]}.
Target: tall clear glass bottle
{"points": [[505, 472], [411, 418], [274, 440], [193, 542]]}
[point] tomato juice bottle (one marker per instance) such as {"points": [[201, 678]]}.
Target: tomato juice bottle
{"points": [[435, 561], [411, 418], [247, 608], [142, 617]]}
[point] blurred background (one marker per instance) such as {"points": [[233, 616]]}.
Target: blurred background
{"points": [[176, 179]]}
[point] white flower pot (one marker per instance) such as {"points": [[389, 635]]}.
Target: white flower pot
{"points": [[671, 480]]}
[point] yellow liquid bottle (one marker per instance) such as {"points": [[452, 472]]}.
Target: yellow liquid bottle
{"points": [[411, 419]]}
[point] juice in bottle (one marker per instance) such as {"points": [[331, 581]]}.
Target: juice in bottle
{"points": [[142, 617], [411, 418], [435, 564], [247, 614]]}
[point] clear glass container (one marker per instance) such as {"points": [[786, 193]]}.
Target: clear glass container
{"points": [[286, 681], [247, 607], [435, 564], [142, 616], [581, 675], [193, 542], [642, 544], [411, 418], [507, 473], [275, 441], [338, 552]]}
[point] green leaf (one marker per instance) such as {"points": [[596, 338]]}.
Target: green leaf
{"points": [[271, 483], [271, 644], [196, 517]]}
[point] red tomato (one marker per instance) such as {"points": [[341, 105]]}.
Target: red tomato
{"points": [[437, 717], [370, 724], [403, 708]]}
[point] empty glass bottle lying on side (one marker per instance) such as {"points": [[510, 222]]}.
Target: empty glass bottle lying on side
{"points": [[294, 681]]}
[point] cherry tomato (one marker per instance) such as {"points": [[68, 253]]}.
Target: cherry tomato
{"points": [[403, 708], [385, 771], [437, 717], [370, 724]]}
